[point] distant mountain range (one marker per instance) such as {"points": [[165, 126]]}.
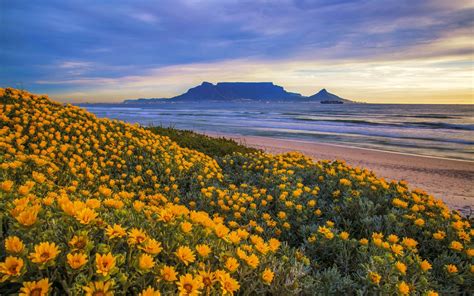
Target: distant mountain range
{"points": [[244, 91]]}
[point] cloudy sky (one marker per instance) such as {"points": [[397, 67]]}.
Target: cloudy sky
{"points": [[370, 50]]}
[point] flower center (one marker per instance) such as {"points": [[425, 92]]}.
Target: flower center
{"points": [[80, 244], [98, 293], [45, 256], [13, 268], [36, 292], [188, 287], [206, 281]]}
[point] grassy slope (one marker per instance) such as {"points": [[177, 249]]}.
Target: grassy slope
{"points": [[215, 147]]}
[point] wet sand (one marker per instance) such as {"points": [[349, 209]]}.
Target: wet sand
{"points": [[448, 179]]}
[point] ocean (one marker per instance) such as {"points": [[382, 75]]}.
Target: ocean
{"points": [[445, 131]]}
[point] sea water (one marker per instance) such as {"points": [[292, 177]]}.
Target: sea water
{"points": [[434, 130]]}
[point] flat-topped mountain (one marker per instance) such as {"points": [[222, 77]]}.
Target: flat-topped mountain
{"points": [[232, 91], [236, 91]]}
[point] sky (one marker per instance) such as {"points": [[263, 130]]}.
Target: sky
{"points": [[391, 51]]}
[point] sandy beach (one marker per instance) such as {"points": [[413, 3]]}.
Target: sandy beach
{"points": [[451, 180]]}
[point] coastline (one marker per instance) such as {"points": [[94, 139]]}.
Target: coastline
{"points": [[448, 179]]}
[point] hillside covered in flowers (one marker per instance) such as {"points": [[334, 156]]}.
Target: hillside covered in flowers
{"points": [[94, 206]]}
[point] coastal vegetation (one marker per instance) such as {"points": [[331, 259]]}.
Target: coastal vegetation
{"points": [[212, 146], [101, 207]]}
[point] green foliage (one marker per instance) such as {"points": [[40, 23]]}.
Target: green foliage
{"points": [[212, 146]]}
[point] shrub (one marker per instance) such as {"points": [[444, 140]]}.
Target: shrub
{"points": [[92, 205]]}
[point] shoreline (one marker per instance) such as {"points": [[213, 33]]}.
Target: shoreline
{"points": [[445, 178], [378, 150]]}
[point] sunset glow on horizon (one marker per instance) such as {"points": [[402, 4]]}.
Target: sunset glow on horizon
{"points": [[366, 51]]}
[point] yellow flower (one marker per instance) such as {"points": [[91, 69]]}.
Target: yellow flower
{"points": [[12, 266], [244, 234], [78, 242], [221, 230], [431, 293], [24, 189], [104, 263], [403, 288], [38, 288], [409, 243], [397, 249], [166, 216], [145, 262], [115, 231], [6, 186], [136, 236], [439, 235], [38, 177], [168, 273], [14, 245], [282, 215], [86, 216], [231, 264], [28, 217], [425, 265], [98, 288], [375, 277], [228, 284], [267, 276], [458, 225], [151, 246], [149, 292], [208, 277], [189, 286], [241, 254], [451, 268], [344, 235], [185, 254], [44, 252], [470, 252], [138, 205], [456, 246], [364, 241], [93, 203], [326, 232], [203, 250], [345, 182], [186, 227], [392, 238], [419, 222], [401, 267], [252, 261], [234, 237], [76, 260], [399, 203], [464, 236], [274, 244]]}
